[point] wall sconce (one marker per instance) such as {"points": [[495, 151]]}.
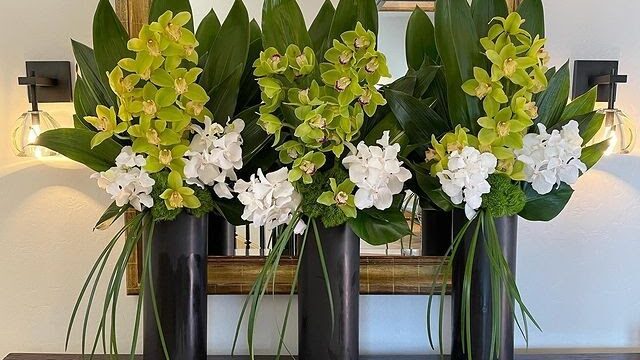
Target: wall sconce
{"points": [[48, 82], [617, 125]]}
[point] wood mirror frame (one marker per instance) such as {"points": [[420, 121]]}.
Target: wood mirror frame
{"points": [[235, 275]]}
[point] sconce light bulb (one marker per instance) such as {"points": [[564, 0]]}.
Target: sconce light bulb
{"points": [[25, 134], [620, 130]]}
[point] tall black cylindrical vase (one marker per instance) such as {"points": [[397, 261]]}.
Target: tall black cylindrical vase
{"points": [[179, 278], [481, 298], [316, 341], [436, 231], [222, 236]]}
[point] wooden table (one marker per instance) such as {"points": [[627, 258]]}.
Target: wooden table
{"points": [[379, 357]]}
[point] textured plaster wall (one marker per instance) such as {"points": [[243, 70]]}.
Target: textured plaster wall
{"points": [[577, 273]]}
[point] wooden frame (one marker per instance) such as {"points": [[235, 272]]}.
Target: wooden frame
{"points": [[405, 5]]}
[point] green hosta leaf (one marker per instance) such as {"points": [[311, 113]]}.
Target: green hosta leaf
{"points": [[111, 215], [76, 145], [283, 24], [484, 11], [84, 101], [592, 154], [255, 139], [581, 105], [420, 41], [109, 40], [553, 100], [229, 49], [207, 32], [417, 119], [380, 227], [320, 27], [96, 84], [249, 90], [224, 96], [458, 46], [533, 12], [347, 15], [159, 7], [545, 207]]}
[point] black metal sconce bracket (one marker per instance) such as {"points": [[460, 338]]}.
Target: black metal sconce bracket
{"points": [[48, 82], [603, 73]]}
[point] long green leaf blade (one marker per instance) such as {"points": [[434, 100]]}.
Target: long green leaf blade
{"points": [[532, 11], [207, 32], [109, 39], [283, 25], [484, 11], [420, 41], [347, 15], [96, 83], [320, 27], [553, 100]]}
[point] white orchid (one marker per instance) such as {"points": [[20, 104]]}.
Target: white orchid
{"points": [[465, 179], [552, 159], [214, 155], [127, 182], [269, 200], [377, 173]]}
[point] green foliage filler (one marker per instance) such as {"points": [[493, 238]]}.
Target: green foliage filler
{"points": [[505, 199], [331, 216], [162, 213], [206, 202]]}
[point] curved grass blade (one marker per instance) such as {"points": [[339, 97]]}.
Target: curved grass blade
{"points": [[147, 259], [325, 273], [155, 313]]}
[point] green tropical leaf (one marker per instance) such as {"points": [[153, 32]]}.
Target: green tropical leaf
{"points": [[159, 7], [224, 96], [207, 32], [420, 41], [255, 139], [388, 123], [283, 24], [81, 124], [380, 227], [484, 11], [249, 90], [425, 77], [84, 101], [347, 15], [545, 207], [111, 215], [458, 46], [553, 100], [96, 83], [592, 154], [109, 40], [581, 105], [589, 124], [231, 209], [532, 11], [417, 119], [405, 84], [229, 49], [320, 27], [76, 145]]}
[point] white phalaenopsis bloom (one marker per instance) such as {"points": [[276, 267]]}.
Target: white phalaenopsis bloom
{"points": [[127, 182], [377, 173], [551, 159], [214, 155], [465, 179], [269, 200]]}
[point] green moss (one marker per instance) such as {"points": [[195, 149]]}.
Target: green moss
{"points": [[505, 198], [159, 210], [206, 201], [331, 216]]}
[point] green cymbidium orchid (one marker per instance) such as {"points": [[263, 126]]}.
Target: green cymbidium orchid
{"points": [[373, 68], [523, 107], [149, 42], [539, 81], [485, 88], [506, 63], [270, 62], [143, 65], [106, 123], [180, 82], [272, 125], [502, 129], [290, 151], [152, 133], [302, 62], [438, 153], [359, 40], [370, 99], [340, 55], [305, 98], [314, 123], [346, 82], [305, 167], [161, 158], [340, 196], [178, 196], [173, 27], [271, 93], [123, 86]]}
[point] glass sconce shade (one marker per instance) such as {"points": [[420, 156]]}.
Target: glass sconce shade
{"points": [[28, 127], [621, 131]]}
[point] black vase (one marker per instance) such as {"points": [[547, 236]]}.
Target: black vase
{"points": [[436, 231], [222, 236], [316, 341], [481, 297], [179, 278]]}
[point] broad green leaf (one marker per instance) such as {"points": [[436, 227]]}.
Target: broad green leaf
{"points": [[420, 41], [255, 139], [430, 187], [592, 154], [159, 7], [484, 11], [283, 25], [224, 96], [417, 119], [207, 32], [532, 11], [229, 49], [320, 27], [545, 207], [458, 46], [405, 84], [380, 227], [347, 15], [231, 209], [425, 76], [249, 94], [581, 105], [109, 40], [76, 145], [81, 124], [553, 100], [84, 101], [96, 83], [388, 123], [111, 215], [589, 124]]}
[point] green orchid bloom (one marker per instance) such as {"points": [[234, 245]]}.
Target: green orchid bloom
{"points": [[196, 109], [340, 196], [502, 129], [143, 65], [128, 108], [149, 42], [340, 55], [161, 158], [178, 196], [373, 68], [150, 134], [270, 62], [523, 107], [507, 64], [345, 82], [307, 97], [106, 123], [512, 168], [121, 85], [172, 27], [271, 93], [315, 123], [305, 167], [271, 125], [180, 82], [539, 81], [485, 88], [359, 40], [437, 154], [302, 62], [370, 99], [290, 151]]}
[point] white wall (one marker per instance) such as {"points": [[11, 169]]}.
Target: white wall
{"points": [[577, 273]]}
